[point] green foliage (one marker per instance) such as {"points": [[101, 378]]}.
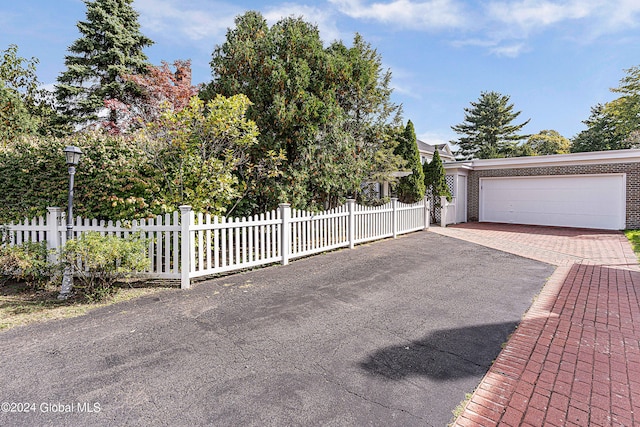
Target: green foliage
{"points": [[601, 134], [27, 263], [201, 153], [487, 130], [114, 180], [326, 110], [110, 46], [544, 143], [410, 188], [33, 175], [15, 119], [616, 124], [99, 262], [626, 108], [197, 155], [435, 183], [634, 239], [24, 109]]}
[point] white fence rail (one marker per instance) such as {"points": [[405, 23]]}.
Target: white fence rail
{"points": [[162, 232], [187, 245]]}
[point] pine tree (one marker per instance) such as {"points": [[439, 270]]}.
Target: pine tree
{"points": [[487, 130], [110, 47], [410, 188], [435, 182]]}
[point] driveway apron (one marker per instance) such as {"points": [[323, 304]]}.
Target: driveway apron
{"points": [[575, 358], [392, 333]]}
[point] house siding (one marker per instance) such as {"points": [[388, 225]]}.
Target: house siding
{"points": [[632, 171]]}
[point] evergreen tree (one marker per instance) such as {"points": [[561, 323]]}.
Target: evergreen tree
{"points": [[616, 124], [626, 108], [410, 188], [487, 130], [601, 133], [435, 182], [327, 110], [110, 47]]}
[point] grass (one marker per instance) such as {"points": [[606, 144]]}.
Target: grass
{"points": [[634, 238], [22, 305], [460, 408]]}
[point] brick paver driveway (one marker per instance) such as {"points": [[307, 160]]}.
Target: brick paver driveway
{"points": [[575, 358]]}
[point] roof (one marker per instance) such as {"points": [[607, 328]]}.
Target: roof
{"points": [[443, 149], [591, 157]]}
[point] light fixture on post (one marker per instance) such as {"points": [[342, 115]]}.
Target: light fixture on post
{"points": [[72, 155]]}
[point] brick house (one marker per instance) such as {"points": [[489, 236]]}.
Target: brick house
{"points": [[585, 190]]}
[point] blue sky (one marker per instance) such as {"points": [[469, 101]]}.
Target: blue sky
{"points": [[554, 58]]}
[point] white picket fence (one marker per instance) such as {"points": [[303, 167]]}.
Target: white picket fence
{"points": [[187, 245]]}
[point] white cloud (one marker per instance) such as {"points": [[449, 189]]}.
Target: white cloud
{"points": [[436, 138], [190, 20], [589, 19], [501, 27], [510, 51], [624, 14], [506, 28], [420, 15], [531, 14], [322, 18]]}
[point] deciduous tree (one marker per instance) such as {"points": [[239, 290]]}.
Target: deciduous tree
{"points": [[198, 150], [25, 108], [547, 142], [162, 87]]}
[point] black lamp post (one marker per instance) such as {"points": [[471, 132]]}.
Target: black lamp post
{"points": [[72, 155]]}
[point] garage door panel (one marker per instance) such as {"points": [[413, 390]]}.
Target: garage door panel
{"points": [[589, 201]]}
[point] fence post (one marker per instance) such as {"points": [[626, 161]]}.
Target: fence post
{"points": [[285, 238], [351, 206], [444, 206], [394, 216], [54, 214], [186, 219], [427, 212]]}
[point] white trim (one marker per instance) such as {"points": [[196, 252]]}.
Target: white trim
{"points": [[458, 167], [573, 159]]}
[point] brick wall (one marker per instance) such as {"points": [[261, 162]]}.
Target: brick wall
{"points": [[631, 169]]}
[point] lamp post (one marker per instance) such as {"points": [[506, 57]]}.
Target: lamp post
{"points": [[72, 155]]}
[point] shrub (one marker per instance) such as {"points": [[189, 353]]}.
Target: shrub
{"points": [[114, 179], [27, 263], [99, 262]]}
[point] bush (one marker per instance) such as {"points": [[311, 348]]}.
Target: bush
{"points": [[26, 263], [99, 262], [114, 179]]}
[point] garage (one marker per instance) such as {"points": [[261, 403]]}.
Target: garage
{"points": [[584, 201]]}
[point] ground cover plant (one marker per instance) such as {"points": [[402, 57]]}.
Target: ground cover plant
{"points": [[634, 238], [21, 304]]}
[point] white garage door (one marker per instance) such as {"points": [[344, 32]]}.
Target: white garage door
{"points": [[586, 201]]}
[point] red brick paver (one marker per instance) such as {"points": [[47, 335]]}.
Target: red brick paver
{"points": [[575, 358]]}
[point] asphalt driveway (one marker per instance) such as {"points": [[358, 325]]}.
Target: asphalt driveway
{"points": [[390, 333]]}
